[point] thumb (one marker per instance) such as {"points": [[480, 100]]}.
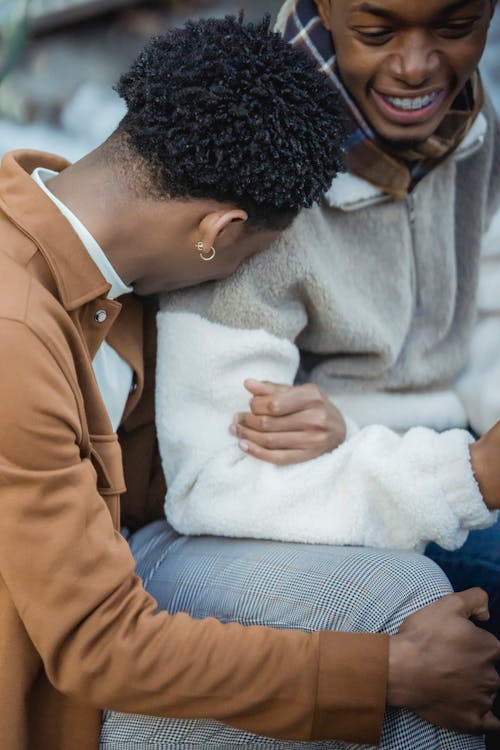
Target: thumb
{"points": [[259, 387], [475, 603]]}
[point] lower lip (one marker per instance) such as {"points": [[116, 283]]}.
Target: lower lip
{"points": [[408, 116]]}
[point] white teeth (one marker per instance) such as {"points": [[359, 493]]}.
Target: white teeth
{"points": [[418, 102]]}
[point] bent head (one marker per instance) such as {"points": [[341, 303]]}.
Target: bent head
{"points": [[405, 61], [231, 132]]}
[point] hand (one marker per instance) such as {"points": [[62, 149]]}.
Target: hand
{"points": [[288, 424], [442, 666], [485, 461]]}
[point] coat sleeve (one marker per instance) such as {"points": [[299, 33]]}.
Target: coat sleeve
{"points": [[71, 578], [377, 489]]}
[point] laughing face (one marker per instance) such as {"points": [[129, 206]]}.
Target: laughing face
{"points": [[405, 61]]}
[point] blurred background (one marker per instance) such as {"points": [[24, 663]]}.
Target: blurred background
{"points": [[59, 59]]}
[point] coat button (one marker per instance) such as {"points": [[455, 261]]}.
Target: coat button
{"points": [[100, 316]]}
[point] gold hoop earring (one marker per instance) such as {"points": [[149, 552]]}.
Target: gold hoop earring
{"points": [[205, 256]]}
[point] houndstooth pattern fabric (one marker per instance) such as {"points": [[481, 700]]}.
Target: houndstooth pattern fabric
{"points": [[295, 586]]}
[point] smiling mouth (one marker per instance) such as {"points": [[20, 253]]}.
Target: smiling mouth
{"points": [[408, 110], [413, 104]]}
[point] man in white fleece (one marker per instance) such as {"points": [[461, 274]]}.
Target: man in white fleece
{"points": [[372, 300], [373, 296]]}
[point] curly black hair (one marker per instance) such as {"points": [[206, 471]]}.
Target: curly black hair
{"points": [[225, 110]]}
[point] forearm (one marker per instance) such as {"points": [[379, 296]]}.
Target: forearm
{"points": [[102, 642], [70, 579], [284, 684], [377, 489]]}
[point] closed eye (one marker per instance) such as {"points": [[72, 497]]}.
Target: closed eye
{"points": [[459, 28], [373, 34]]}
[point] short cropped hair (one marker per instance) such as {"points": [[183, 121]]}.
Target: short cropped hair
{"points": [[225, 110]]}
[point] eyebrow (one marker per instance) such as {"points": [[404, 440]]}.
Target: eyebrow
{"points": [[376, 10]]}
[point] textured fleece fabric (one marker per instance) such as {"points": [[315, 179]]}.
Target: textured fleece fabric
{"points": [[376, 301]]}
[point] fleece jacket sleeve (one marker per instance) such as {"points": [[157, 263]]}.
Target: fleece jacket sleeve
{"points": [[378, 489]]}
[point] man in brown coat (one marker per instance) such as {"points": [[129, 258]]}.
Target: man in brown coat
{"points": [[180, 194]]}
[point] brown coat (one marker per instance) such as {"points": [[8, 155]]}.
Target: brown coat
{"points": [[77, 630]]}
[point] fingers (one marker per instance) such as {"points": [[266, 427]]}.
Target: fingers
{"points": [[474, 603], [276, 457], [283, 448], [280, 400], [288, 424], [308, 419], [260, 387], [274, 441], [447, 662]]}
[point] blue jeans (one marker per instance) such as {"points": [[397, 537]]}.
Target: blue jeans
{"points": [[477, 563]]}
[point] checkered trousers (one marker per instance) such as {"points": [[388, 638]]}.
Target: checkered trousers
{"points": [[282, 585]]}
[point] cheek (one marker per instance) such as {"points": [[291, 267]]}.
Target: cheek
{"points": [[357, 64], [464, 59]]}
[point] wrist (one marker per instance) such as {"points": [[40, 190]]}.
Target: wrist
{"points": [[482, 465], [397, 681]]}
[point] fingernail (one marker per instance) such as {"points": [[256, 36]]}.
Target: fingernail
{"points": [[232, 429], [244, 446]]}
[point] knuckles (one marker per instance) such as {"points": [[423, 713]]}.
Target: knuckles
{"points": [[274, 407], [314, 393], [318, 441], [263, 424], [268, 441], [320, 420]]}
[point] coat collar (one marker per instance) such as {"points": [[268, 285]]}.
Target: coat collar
{"points": [[350, 193], [79, 285], [76, 276]]}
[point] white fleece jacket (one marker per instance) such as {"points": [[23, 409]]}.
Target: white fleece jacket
{"points": [[378, 489], [381, 312]]}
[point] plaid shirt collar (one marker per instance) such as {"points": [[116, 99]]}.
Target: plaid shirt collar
{"points": [[304, 29], [301, 26]]}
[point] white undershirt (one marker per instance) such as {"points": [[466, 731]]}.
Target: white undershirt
{"points": [[114, 376]]}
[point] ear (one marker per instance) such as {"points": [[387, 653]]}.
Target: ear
{"points": [[221, 228], [324, 12]]}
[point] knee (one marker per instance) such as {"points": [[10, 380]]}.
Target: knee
{"points": [[298, 586], [396, 585]]}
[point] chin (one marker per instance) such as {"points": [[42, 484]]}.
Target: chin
{"points": [[148, 290], [141, 293], [403, 143], [400, 138]]}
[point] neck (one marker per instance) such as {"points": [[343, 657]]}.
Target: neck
{"points": [[90, 189]]}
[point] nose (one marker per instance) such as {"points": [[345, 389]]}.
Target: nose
{"points": [[416, 60]]}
